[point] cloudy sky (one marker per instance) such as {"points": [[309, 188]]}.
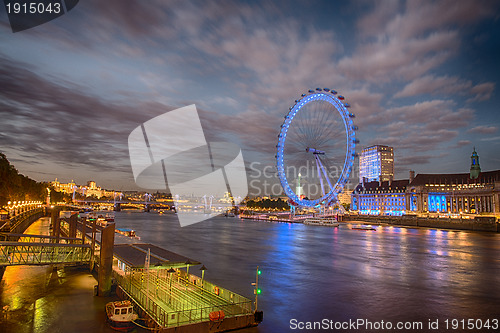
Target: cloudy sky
{"points": [[420, 76]]}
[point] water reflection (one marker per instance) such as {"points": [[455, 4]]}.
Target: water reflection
{"points": [[311, 273]]}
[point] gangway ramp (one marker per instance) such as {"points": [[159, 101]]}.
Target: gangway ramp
{"points": [[24, 253]]}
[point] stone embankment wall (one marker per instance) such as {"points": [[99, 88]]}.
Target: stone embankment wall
{"points": [[479, 223]]}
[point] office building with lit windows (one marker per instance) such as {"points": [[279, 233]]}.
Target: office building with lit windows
{"points": [[376, 163], [380, 198]]}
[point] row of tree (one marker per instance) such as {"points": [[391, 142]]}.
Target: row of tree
{"points": [[278, 204], [17, 187]]}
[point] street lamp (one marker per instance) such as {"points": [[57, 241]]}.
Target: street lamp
{"points": [[170, 271], [188, 262], [202, 269]]}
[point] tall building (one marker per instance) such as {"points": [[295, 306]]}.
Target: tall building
{"points": [[376, 163], [475, 169]]}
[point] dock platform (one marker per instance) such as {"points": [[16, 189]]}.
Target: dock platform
{"points": [[171, 298]]}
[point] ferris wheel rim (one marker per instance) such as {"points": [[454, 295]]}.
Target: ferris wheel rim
{"points": [[331, 97]]}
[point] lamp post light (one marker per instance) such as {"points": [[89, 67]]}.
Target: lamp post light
{"points": [[202, 269], [170, 271], [257, 290], [188, 262]]}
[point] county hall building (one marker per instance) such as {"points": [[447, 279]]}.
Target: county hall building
{"points": [[475, 192]]}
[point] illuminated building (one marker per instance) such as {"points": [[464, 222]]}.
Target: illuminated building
{"points": [[376, 163], [475, 169], [380, 198], [299, 190], [344, 197], [475, 192], [90, 190], [61, 187], [456, 193]]}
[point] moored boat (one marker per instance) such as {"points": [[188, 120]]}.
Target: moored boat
{"points": [[322, 222], [121, 315], [363, 227], [127, 232]]}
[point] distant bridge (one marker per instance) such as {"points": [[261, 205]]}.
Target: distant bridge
{"points": [[126, 202]]}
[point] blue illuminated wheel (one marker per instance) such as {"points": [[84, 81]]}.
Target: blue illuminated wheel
{"points": [[316, 148]]}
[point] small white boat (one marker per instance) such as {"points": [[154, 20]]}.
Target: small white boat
{"points": [[121, 315], [363, 227], [322, 222], [127, 232]]}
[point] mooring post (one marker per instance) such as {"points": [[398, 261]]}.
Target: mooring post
{"points": [[92, 245], [56, 223], [53, 214], [72, 225], [106, 260], [84, 229]]}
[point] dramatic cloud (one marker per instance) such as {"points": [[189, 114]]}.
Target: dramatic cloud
{"points": [[483, 129], [394, 58], [414, 74], [482, 91], [463, 143], [433, 85]]}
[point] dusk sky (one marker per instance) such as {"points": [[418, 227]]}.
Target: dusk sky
{"points": [[421, 76]]}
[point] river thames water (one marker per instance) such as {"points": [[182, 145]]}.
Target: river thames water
{"points": [[313, 273], [333, 276]]}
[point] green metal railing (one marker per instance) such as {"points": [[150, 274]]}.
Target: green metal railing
{"points": [[19, 253], [172, 300]]}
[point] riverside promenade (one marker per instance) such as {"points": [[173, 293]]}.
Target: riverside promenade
{"points": [[50, 299], [165, 295]]}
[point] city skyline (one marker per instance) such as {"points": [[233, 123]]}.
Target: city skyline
{"points": [[420, 77]]}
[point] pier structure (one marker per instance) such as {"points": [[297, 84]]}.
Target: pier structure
{"points": [[172, 298], [156, 280]]}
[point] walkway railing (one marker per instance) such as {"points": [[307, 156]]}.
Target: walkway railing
{"points": [[29, 238], [12, 223], [19, 253]]}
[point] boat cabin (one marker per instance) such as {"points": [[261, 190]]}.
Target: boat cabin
{"points": [[121, 310]]}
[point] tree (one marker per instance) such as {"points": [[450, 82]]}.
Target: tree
{"points": [[17, 187]]}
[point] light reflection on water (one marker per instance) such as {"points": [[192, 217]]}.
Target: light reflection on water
{"points": [[311, 273]]}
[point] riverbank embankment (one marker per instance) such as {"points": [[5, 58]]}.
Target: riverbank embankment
{"points": [[479, 223]]}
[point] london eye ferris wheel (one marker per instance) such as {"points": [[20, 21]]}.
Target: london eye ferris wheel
{"points": [[316, 148]]}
